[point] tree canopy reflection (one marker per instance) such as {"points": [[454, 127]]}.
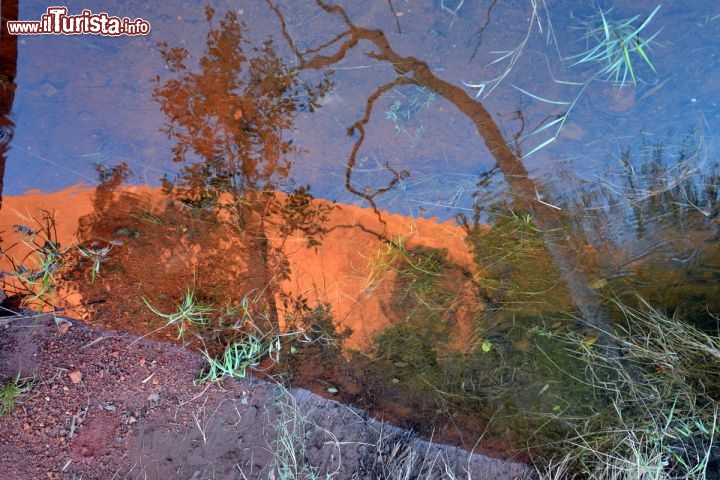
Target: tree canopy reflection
{"points": [[230, 121]]}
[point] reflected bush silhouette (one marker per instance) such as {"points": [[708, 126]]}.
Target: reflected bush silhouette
{"points": [[229, 120]]}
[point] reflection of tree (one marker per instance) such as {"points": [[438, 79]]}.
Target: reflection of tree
{"points": [[411, 70], [233, 115]]}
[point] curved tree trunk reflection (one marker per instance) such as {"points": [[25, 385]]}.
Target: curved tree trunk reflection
{"points": [[522, 187]]}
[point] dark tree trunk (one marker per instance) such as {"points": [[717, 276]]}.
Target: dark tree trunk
{"points": [[8, 70]]}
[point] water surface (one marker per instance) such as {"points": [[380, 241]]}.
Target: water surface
{"points": [[594, 186]]}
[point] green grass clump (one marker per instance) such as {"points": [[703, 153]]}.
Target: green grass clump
{"points": [[36, 275], [617, 42], [188, 312], [246, 337], [11, 390], [248, 350]]}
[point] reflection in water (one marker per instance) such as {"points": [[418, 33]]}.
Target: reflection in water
{"points": [[411, 70], [235, 114], [210, 260], [656, 226], [457, 331]]}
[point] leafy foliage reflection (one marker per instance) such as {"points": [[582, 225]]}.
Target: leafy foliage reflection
{"points": [[230, 121]]}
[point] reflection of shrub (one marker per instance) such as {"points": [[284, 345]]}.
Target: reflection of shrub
{"points": [[233, 112], [313, 325], [300, 213], [229, 117]]}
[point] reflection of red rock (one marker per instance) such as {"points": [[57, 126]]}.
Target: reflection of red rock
{"points": [[337, 272], [68, 206]]}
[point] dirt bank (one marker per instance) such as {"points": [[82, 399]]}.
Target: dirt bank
{"points": [[107, 404]]}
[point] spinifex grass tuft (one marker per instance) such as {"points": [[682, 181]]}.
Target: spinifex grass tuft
{"points": [[617, 43], [11, 390], [189, 311], [655, 402], [247, 351]]}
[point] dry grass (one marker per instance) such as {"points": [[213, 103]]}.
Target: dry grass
{"points": [[657, 392]]}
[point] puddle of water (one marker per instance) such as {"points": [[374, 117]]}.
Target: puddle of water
{"points": [[497, 318]]}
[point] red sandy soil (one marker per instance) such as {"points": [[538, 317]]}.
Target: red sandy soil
{"points": [[107, 405]]}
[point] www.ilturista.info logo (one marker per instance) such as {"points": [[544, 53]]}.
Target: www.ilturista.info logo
{"points": [[57, 22]]}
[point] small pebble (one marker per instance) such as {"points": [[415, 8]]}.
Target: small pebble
{"points": [[75, 376]]}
